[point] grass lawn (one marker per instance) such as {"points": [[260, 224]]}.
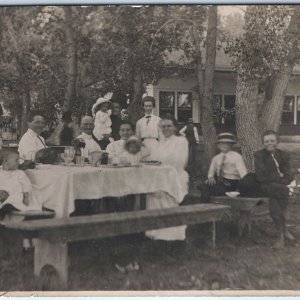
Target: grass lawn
{"points": [[246, 263]]}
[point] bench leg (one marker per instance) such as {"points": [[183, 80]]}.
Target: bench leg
{"points": [[214, 234], [51, 255], [137, 202], [244, 220]]}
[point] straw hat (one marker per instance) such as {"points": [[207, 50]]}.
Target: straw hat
{"points": [[225, 137]]}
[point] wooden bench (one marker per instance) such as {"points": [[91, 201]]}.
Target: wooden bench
{"points": [[17, 215], [53, 234], [243, 205]]}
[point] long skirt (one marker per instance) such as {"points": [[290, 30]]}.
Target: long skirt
{"points": [[161, 200]]}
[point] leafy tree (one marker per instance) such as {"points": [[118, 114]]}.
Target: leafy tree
{"points": [[264, 58]]}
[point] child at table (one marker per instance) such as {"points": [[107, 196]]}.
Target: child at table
{"points": [[135, 151], [15, 186], [102, 131]]}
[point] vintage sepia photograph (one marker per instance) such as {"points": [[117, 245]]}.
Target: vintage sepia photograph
{"points": [[150, 148]]}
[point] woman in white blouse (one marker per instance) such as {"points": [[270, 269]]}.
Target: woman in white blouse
{"points": [[172, 150]]}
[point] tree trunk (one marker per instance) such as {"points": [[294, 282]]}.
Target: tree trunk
{"points": [[26, 100], [247, 125], [135, 107], [271, 110], [205, 83], [207, 122], [71, 59]]}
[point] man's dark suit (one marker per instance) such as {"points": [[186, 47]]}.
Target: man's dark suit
{"points": [[272, 184]]}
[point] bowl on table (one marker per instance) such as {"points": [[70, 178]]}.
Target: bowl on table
{"points": [[232, 194]]}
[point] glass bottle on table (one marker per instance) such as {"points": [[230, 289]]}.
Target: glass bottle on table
{"points": [[79, 159]]}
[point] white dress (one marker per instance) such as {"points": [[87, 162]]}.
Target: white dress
{"points": [[147, 130], [16, 183], [117, 149], [102, 124], [170, 151]]}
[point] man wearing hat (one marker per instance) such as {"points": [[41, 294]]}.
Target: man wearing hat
{"points": [[227, 168], [191, 133]]}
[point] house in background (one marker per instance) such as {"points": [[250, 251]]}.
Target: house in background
{"points": [[174, 95]]}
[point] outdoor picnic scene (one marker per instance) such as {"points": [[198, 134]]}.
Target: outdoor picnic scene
{"points": [[150, 148]]}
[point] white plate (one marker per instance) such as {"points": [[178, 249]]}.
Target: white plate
{"points": [[232, 194]]}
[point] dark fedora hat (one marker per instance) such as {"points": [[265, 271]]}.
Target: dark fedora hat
{"points": [[225, 137]]}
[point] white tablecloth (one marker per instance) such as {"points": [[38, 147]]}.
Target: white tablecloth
{"points": [[57, 187]]}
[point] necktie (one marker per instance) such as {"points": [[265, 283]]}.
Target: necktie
{"points": [[148, 119], [42, 141], [222, 166], [276, 163]]}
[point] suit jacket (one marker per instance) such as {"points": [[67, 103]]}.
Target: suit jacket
{"points": [[266, 170]]}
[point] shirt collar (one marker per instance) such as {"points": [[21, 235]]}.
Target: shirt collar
{"points": [[148, 115], [31, 132], [86, 136]]}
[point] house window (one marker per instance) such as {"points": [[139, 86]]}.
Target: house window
{"points": [[166, 103], [288, 112], [184, 106], [224, 109], [217, 111], [179, 104]]}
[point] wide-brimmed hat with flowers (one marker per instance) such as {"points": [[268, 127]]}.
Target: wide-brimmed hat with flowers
{"points": [[225, 137], [101, 100]]}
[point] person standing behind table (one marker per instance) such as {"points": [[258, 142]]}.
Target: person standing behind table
{"points": [[191, 133], [91, 145], [116, 120], [272, 170], [102, 131], [147, 128], [171, 150], [65, 132], [227, 168], [31, 141]]}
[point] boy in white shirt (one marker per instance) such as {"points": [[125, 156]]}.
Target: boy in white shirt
{"points": [[227, 168], [147, 128]]}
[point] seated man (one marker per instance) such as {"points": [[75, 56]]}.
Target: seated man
{"points": [[31, 141], [227, 168], [273, 172], [91, 145]]}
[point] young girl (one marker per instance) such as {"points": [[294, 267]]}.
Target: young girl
{"points": [[15, 186], [135, 151], [102, 131]]}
